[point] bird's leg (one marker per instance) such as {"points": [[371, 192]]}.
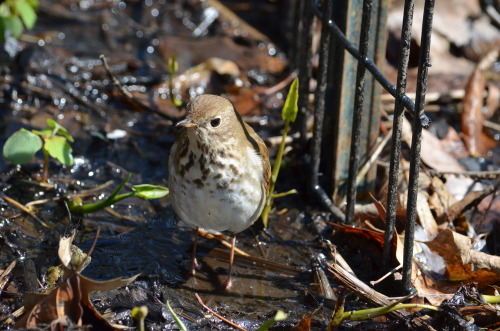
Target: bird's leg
{"points": [[194, 262], [227, 283]]}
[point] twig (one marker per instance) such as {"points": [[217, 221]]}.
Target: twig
{"points": [[127, 93], [493, 174], [89, 253], [217, 315], [281, 85], [373, 158], [26, 210], [5, 273], [491, 125]]}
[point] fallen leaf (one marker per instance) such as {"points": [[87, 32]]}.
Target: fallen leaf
{"points": [[459, 207], [472, 108], [303, 325], [69, 303], [440, 199], [461, 262]]}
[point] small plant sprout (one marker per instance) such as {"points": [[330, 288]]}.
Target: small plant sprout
{"points": [[143, 191], [289, 114], [176, 318], [340, 315], [173, 67], [14, 14], [139, 314], [22, 146], [280, 316]]}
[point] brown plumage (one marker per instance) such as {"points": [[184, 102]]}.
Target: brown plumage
{"points": [[218, 170]]}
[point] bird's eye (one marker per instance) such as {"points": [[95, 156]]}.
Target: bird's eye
{"points": [[215, 122]]}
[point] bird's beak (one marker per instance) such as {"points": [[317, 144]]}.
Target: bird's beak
{"points": [[187, 123]]}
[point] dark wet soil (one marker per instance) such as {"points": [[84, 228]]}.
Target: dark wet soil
{"points": [[57, 74]]}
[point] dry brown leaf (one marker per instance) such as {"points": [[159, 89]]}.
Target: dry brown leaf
{"points": [[440, 199], [64, 251], [492, 100], [68, 303], [214, 75], [425, 216], [432, 153], [304, 324], [248, 56], [435, 156], [472, 108], [434, 292], [461, 262], [471, 199]]}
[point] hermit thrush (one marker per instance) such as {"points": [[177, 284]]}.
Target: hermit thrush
{"points": [[218, 171]]}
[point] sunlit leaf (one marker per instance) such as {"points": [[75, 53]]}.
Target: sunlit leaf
{"points": [[280, 316], [147, 191], [58, 148], [42, 133], [59, 129], [5, 10], [290, 108], [21, 147], [27, 13], [33, 3]]}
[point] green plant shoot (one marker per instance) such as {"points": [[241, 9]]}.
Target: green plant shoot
{"points": [[16, 15], [280, 316], [144, 191], [340, 315], [173, 67], [139, 314], [22, 146], [289, 114], [176, 318]]}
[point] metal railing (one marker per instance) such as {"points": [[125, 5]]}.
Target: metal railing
{"points": [[331, 30]]}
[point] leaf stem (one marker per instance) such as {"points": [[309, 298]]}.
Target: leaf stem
{"points": [[45, 170], [111, 199], [274, 176]]}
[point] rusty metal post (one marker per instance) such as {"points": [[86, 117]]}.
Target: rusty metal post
{"points": [[337, 129], [404, 56], [319, 112], [418, 120], [359, 94]]}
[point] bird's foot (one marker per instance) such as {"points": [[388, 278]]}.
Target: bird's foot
{"points": [[227, 284], [194, 266]]}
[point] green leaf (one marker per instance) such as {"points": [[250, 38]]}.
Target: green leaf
{"points": [[21, 147], [290, 108], [147, 191], [34, 4], [58, 148], [27, 13], [59, 129], [12, 24], [43, 133], [5, 10]]}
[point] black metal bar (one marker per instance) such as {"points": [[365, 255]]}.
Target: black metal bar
{"points": [[305, 68], [404, 55], [319, 112], [358, 109], [411, 210], [371, 66]]}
